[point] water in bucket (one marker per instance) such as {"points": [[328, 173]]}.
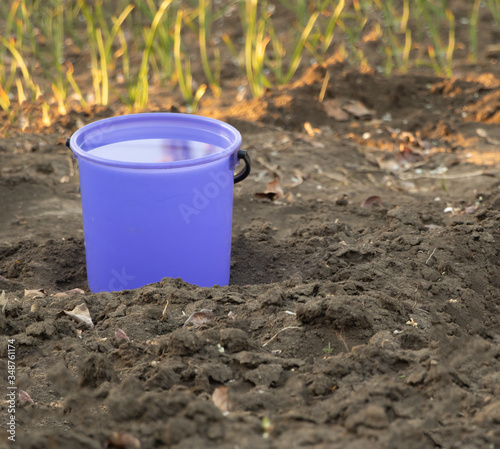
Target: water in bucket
{"points": [[157, 198], [155, 150]]}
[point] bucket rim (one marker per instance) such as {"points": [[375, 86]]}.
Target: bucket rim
{"points": [[173, 120]]}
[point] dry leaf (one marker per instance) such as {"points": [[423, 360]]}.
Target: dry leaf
{"points": [[406, 136], [412, 322], [35, 307], [199, 318], [273, 169], [31, 294], [471, 209], [334, 110], [386, 165], [69, 292], [358, 110], [371, 201], [220, 399], [75, 290], [316, 144], [123, 441], [81, 314], [309, 129], [431, 227], [483, 133], [121, 335], [25, 397], [3, 301], [298, 179], [275, 187], [311, 132], [273, 191], [408, 156]]}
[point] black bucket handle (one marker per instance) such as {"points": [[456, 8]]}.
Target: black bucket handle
{"points": [[241, 175]]}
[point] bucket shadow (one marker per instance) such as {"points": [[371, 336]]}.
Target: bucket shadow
{"points": [[264, 261]]}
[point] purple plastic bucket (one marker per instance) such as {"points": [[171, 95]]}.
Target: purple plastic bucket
{"points": [[157, 198]]}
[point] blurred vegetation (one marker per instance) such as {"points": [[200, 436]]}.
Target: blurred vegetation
{"points": [[121, 47]]}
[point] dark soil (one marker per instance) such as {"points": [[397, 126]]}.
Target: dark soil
{"points": [[347, 323]]}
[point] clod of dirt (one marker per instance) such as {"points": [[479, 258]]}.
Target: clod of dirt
{"points": [[198, 418], [348, 311], [164, 378], [489, 415], [273, 297], [311, 310], [342, 200], [45, 168], [265, 375], [234, 340], [321, 385], [252, 359], [207, 417], [62, 379], [124, 400], [404, 215], [176, 430], [218, 372], [183, 342], [61, 438], [96, 370], [372, 416], [384, 339], [43, 329]]}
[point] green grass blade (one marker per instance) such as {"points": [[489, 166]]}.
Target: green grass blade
{"points": [[104, 69], [142, 88], [117, 23], [329, 32], [297, 54]]}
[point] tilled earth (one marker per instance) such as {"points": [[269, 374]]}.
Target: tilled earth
{"points": [[349, 322]]}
